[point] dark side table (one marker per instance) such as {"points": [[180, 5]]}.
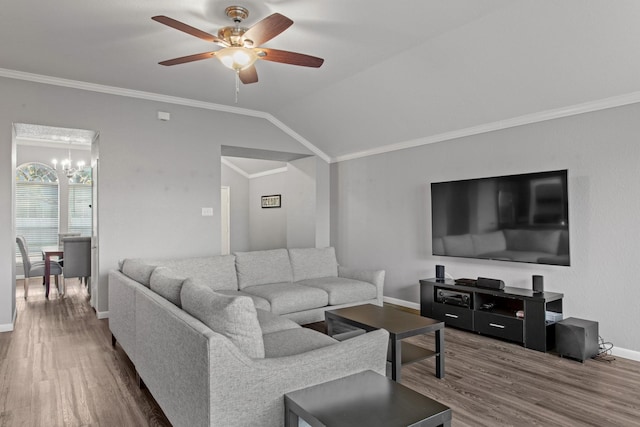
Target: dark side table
{"points": [[363, 399]]}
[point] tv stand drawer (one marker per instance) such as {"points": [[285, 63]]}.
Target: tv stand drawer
{"points": [[497, 325], [451, 315]]}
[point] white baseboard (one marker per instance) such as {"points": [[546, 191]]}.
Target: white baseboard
{"points": [[616, 351], [102, 314], [401, 302], [627, 354]]}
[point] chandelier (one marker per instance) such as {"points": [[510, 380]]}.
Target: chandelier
{"points": [[67, 167]]}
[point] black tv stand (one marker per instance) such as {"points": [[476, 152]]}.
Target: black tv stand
{"points": [[514, 314]]}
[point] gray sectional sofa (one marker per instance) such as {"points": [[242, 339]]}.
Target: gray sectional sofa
{"points": [[217, 340], [537, 246]]}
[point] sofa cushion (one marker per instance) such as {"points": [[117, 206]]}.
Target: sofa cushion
{"points": [[461, 245], [290, 297], [232, 316], [138, 270], [217, 272], [270, 322], [489, 242], [295, 341], [437, 246], [166, 283], [312, 263], [521, 256], [343, 291], [262, 267], [259, 302], [546, 241]]}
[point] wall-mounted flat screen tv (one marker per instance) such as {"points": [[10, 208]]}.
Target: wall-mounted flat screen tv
{"points": [[519, 218]]}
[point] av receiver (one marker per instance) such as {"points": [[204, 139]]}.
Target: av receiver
{"points": [[462, 299]]}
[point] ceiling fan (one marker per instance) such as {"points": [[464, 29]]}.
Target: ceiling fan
{"points": [[241, 46]]}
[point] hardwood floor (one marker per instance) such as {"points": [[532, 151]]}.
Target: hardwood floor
{"points": [[489, 382], [57, 368]]}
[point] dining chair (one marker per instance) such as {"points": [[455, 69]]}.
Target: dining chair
{"points": [[63, 235], [35, 268], [77, 259]]}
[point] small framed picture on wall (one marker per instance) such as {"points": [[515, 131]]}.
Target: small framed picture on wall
{"points": [[273, 201]]}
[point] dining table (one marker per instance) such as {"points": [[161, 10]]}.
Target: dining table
{"points": [[47, 253]]}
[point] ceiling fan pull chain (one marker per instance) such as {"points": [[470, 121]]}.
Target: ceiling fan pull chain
{"points": [[237, 84]]}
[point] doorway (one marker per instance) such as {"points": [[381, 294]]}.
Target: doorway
{"points": [[225, 217], [72, 176]]}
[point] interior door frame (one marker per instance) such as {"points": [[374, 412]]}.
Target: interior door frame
{"points": [[225, 220]]}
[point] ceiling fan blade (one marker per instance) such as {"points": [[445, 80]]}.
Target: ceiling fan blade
{"points": [[190, 58], [249, 75], [189, 29], [287, 57], [267, 29]]}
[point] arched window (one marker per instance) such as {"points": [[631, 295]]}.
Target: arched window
{"points": [[80, 202], [37, 210]]}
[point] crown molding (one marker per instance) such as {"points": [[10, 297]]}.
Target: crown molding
{"points": [[234, 167], [150, 96], [252, 175], [572, 110], [269, 172]]}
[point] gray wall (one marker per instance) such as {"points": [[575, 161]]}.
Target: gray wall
{"points": [[154, 176], [267, 226], [239, 210], [301, 203], [381, 212]]}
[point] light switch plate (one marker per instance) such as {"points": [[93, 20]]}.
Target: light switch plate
{"points": [[207, 211]]}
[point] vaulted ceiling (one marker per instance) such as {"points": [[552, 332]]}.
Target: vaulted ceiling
{"points": [[394, 71]]}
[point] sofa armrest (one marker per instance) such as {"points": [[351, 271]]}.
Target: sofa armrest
{"points": [[375, 277], [262, 383], [122, 311]]}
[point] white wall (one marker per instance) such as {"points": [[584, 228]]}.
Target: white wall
{"points": [[7, 229], [323, 205], [267, 226], [381, 212], [239, 210], [301, 203], [155, 176]]}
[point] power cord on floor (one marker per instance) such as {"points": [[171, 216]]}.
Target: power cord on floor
{"points": [[605, 353]]}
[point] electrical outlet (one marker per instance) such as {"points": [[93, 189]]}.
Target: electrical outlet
{"points": [[207, 211]]}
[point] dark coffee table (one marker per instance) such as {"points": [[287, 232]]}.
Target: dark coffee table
{"points": [[400, 325], [363, 399]]}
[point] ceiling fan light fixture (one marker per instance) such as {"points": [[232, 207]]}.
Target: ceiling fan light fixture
{"points": [[237, 58]]}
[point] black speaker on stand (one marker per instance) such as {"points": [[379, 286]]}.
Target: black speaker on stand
{"points": [[440, 273], [538, 284]]}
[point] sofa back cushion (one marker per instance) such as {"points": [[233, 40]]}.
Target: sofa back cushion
{"points": [[460, 245], [263, 267], [138, 270], [313, 263], [216, 272], [546, 241], [489, 242], [232, 316], [166, 283]]}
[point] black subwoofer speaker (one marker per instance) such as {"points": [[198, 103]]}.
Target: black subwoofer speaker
{"points": [[577, 338]]}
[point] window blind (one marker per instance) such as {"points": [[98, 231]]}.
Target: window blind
{"points": [[37, 214], [80, 196]]}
